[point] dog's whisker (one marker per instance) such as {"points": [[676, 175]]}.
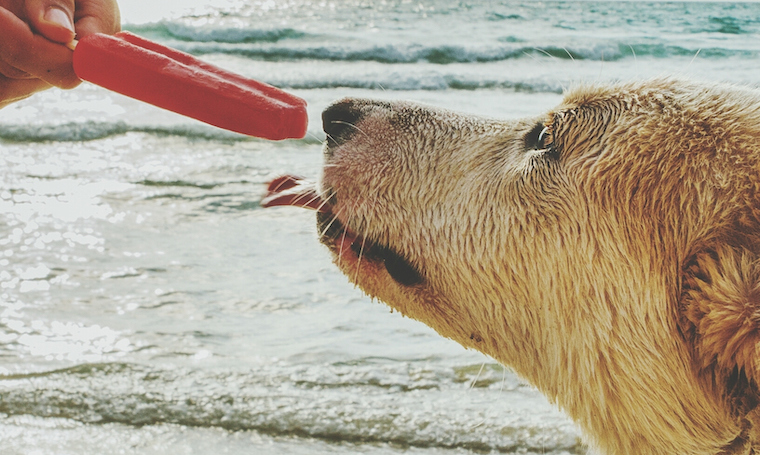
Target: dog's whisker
{"points": [[472, 386], [545, 53], [316, 197], [344, 236], [569, 54], [694, 58], [359, 260], [325, 203], [474, 381], [314, 136], [341, 122], [342, 239], [361, 252], [329, 225]]}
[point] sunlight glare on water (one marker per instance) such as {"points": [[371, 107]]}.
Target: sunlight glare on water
{"points": [[148, 304]]}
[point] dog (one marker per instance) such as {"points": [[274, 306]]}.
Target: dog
{"points": [[607, 250]]}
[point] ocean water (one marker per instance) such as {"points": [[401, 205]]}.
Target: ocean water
{"points": [[149, 305]]}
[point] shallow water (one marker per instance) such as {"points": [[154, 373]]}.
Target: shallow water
{"points": [[149, 305]]}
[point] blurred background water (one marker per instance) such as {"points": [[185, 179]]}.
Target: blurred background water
{"points": [[148, 305]]}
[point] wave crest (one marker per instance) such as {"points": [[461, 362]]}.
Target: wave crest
{"points": [[92, 130], [392, 404], [165, 30], [448, 54]]}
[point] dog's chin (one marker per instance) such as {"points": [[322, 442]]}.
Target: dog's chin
{"points": [[356, 254]]}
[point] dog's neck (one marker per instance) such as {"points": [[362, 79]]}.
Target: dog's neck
{"points": [[612, 357], [621, 391]]}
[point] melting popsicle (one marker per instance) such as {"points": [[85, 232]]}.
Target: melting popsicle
{"points": [[173, 80]]}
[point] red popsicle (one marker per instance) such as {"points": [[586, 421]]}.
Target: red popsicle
{"points": [[173, 80]]}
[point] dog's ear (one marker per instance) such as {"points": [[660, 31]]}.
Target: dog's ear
{"points": [[720, 310]]}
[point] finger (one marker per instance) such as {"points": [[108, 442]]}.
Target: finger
{"points": [[96, 16], [34, 54], [13, 73], [53, 19], [17, 7], [12, 90]]}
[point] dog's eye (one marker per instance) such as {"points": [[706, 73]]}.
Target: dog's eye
{"points": [[537, 138]]}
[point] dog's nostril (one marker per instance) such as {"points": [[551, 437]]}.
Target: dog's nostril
{"points": [[339, 121]]}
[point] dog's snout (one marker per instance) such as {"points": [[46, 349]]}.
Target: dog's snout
{"points": [[339, 121]]}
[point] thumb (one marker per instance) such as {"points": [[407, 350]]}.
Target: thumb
{"points": [[53, 19]]}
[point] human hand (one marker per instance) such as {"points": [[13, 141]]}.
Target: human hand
{"points": [[33, 38]]}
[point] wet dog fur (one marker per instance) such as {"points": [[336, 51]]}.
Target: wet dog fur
{"points": [[608, 250]]}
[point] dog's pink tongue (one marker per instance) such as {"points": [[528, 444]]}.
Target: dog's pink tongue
{"points": [[295, 191]]}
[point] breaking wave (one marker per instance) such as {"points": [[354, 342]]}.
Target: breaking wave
{"points": [[390, 404], [92, 130], [279, 44], [176, 31]]}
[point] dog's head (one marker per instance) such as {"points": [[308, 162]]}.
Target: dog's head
{"points": [[576, 246], [481, 227], [586, 247]]}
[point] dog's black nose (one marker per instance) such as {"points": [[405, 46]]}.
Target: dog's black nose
{"points": [[340, 121]]}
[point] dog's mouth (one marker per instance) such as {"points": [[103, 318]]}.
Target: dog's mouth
{"points": [[346, 244]]}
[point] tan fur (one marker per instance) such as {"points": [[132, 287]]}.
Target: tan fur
{"points": [[617, 270]]}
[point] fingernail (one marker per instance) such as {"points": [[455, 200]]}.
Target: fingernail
{"points": [[58, 16]]}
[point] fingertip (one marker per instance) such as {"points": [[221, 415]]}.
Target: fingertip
{"points": [[56, 25], [69, 85], [58, 16], [67, 81]]}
